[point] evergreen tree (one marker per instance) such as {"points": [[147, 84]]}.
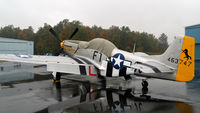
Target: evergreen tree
{"points": [[163, 42]]}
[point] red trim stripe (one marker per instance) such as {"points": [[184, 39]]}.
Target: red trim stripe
{"points": [[90, 74]]}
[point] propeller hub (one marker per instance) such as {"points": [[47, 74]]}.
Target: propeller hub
{"points": [[62, 44]]}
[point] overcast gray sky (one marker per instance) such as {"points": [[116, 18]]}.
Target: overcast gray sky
{"points": [[152, 16]]}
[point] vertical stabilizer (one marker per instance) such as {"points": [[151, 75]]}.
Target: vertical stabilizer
{"points": [[180, 56], [185, 70]]}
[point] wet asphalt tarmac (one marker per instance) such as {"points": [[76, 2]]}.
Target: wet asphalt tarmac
{"points": [[28, 89]]}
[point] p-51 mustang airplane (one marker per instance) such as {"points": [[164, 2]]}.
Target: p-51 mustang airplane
{"points": [[101, 58]]}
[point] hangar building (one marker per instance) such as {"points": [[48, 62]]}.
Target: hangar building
{"points": [[194, 31], [15, 46], [7, 69]]}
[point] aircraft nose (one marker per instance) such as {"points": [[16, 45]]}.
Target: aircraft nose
{"points": [[62, 44]]}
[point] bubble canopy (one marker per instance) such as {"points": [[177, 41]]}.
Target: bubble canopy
{"points": [[99, 44]]}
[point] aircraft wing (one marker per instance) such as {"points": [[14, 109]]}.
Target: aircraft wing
{"points": [[54, 63], [35, 59]]}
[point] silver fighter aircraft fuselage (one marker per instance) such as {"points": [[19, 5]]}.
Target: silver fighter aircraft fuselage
{"points": [[101, 58]]}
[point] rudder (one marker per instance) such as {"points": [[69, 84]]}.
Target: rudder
{"points": [[185, 70]]}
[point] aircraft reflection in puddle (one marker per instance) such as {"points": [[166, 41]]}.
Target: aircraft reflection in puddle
{"points": [[114, 101], [19, 72]]}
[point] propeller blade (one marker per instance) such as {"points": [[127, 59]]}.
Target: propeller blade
{"points": [[60, 41], [55, 34], [75, 31]]}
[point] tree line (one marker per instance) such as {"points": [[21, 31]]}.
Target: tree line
{"points": [[122, 37]]}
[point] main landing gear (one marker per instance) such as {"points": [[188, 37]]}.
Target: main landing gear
{"points": [[144, 87], [144, 84], [145, 90], [56, 79]]}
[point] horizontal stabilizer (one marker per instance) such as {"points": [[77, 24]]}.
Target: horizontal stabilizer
{"points": [[177, 61]]}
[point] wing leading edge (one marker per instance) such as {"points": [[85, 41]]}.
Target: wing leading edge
{"points": [[35, 59]]}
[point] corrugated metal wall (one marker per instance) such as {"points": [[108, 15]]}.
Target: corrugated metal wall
{"points": [[13, 46], [194, 31]]}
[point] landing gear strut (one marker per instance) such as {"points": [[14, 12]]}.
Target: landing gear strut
{"points": [[144, 84], [144, 87], [56, 79]]}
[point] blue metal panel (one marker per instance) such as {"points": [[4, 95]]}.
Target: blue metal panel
{"points": [[194, 31], [197, 51], [197, 68], [13, 46], [7, 74]]}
